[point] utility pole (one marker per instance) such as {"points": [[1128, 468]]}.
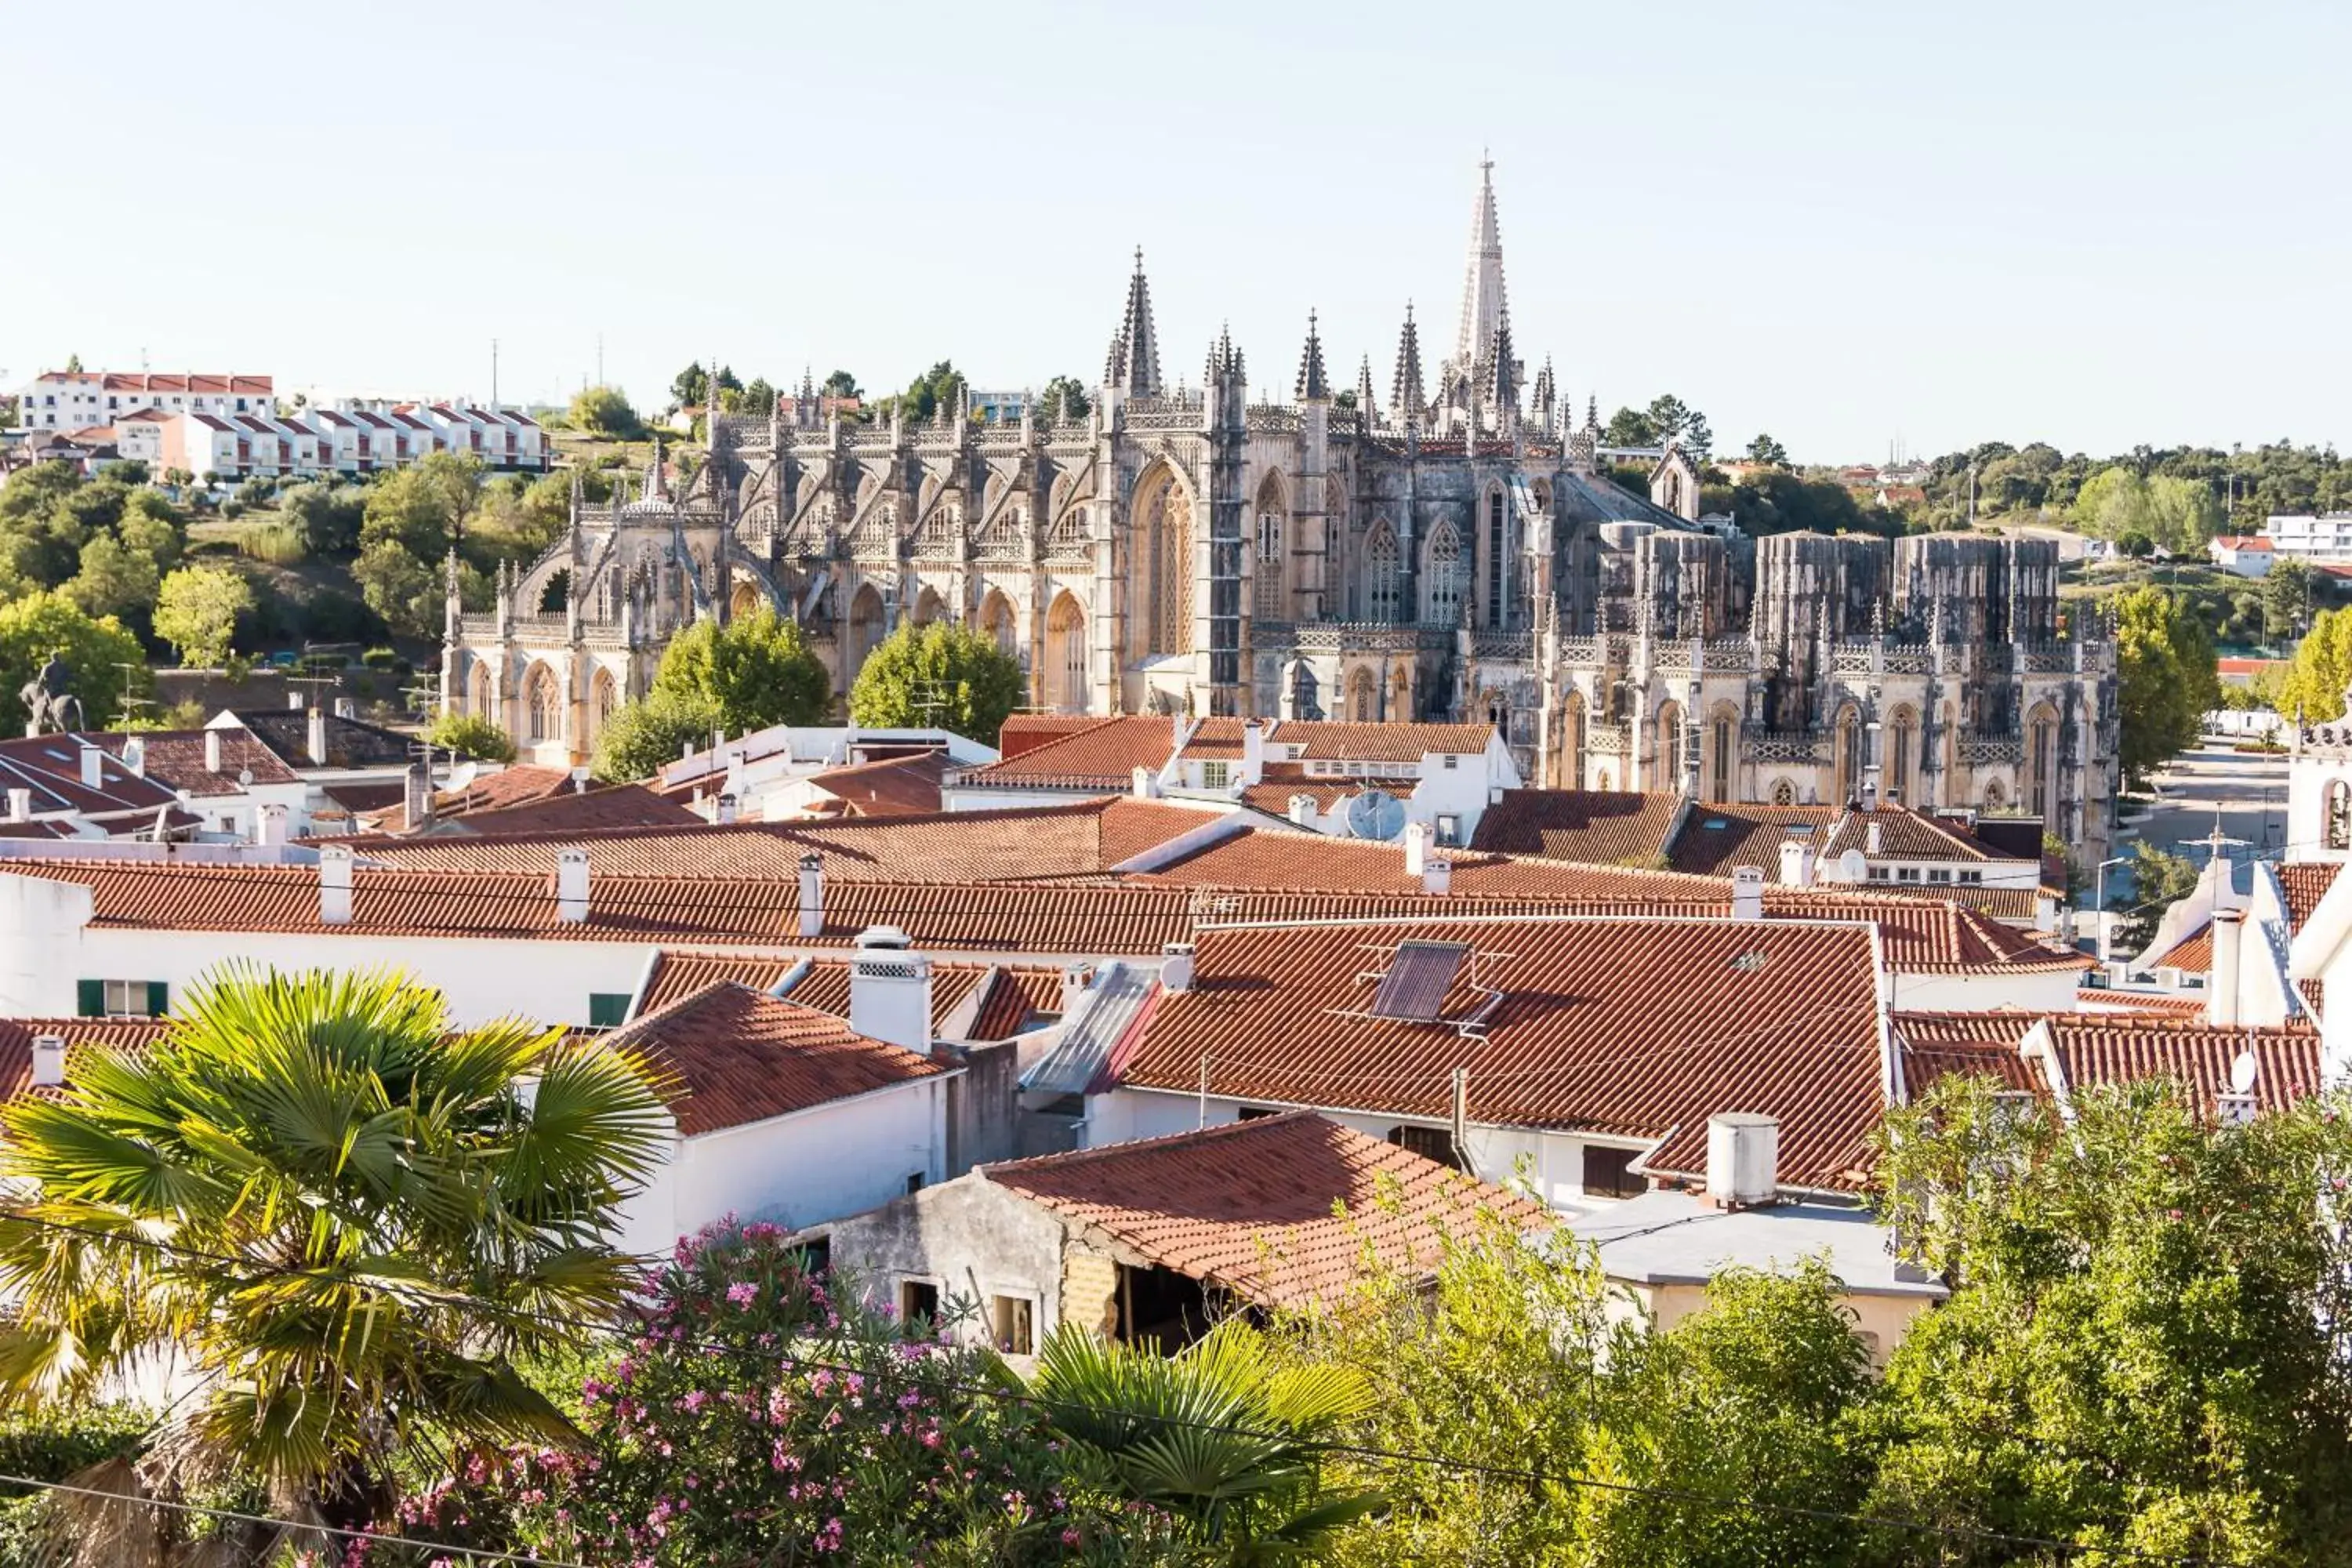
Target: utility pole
{"points": [[600, 359], [494, 375]]}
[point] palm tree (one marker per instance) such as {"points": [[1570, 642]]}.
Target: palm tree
{"points": [[1220, 1436], [340, 1221]]}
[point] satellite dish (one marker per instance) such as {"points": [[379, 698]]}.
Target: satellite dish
{"points": [[1375, 814], [2242, 1073], [245, 778]]}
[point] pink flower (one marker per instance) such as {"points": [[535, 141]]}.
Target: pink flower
{"points": [[742, 1292]]}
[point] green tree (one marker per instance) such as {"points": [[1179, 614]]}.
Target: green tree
{"points": [[2136, 545], [1752, 1399], [2321, 670], [840, 384], [2159, 880], [1254, 1489], [688, 386], [2143, 1350], [940, 383], [328, 518], [759, 397], [2114, 502], [1669, 417], [2286, 598], [322, 1166], [399, 587], [1762, 448], [196, 610], [1064, 398], [603, 411], [1698, 438], [471, 735], [423, 508], [113, 579], [641, 737], [2166, 679], [940, 674], [754, 671], [1629, 427], [105, 657]]}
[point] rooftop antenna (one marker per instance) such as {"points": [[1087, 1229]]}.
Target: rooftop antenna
{"points": [[132, 670]]}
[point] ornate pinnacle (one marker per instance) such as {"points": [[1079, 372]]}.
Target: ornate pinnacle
{"points": [[1313, 385]]}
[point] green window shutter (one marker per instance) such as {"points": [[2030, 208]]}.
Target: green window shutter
{"points": [[90, 998], [159, 998], [607, 1009]]}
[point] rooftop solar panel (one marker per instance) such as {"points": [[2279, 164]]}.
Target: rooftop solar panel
{"points": [[1418, 977]]}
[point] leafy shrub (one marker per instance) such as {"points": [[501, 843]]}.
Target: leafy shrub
{"points": [[472, 734], [379, 659], [276, 540], [232, 509]]}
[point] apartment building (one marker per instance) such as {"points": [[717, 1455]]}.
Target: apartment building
{"points": [[79, 400]]}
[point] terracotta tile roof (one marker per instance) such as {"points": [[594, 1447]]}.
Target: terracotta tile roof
{"points": [[2111, 999], [541, 800], [176, 758], [740, 1056], [1082, 837], [2192, 954], [1268, 857], [1249, 1207], [1906, 835], [678, 976], [1103, 755], [1027, 731], [2105, 1049], [1935, 1045], [350, 743], [1599, 828], [2305, 883], [17, 1034], [1716, 840], [1280, 781], [50, 766], [1382, 742], [898, 786], [1634, 1027]]}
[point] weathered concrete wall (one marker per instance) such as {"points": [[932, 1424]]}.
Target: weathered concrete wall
{"points": [[971, 1238]]}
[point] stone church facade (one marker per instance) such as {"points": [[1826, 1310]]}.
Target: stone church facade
{"points": [[1453, 549]]}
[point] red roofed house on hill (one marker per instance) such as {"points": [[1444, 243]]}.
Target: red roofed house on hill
{"points": [[1150, 1242]]}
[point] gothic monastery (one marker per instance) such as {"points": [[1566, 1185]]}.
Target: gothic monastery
{"points": [[1455, 549]]}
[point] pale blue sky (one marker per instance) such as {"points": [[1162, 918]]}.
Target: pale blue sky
{"points": [[2092, 224]]}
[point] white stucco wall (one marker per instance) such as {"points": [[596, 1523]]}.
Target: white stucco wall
{"points": [[808, 1168]]}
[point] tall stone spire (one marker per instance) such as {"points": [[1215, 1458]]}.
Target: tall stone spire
{"points": [[1135, 349], [1314, 386], [1502, 387], [1483, 306], [1546, 395], [1366, 408], [657, 482], [1411, 403]]}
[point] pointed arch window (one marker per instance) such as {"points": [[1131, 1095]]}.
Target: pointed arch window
{"points": [[1172, 573], [1272, 604], [1498, 535], [2339, 815], [1380, 587], [1444, 591]]}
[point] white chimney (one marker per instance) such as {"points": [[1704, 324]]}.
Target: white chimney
{"points": [[334, 885], [92, 772], [315, 737], [270, 824], [1416, 848], [812, 895], [212, 750], [1875, 841], [890, 989], [296, 701], [134, 755], [416, 797], [1748, 894], [1252, 752], [1438, 875], [571, 884], [1176, 966], [1743, 1160], [725, 810], [580, 777], [20, 804], [1078, 979], [1795, 863], [346, 708], [2221, 984], [1302, 810], [49, 1060], [1147, 783]]}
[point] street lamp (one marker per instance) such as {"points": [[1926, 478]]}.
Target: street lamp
{"points": [[2099, 901]]}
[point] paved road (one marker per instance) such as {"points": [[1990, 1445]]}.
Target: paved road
{"points": [[2249, 793]]}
